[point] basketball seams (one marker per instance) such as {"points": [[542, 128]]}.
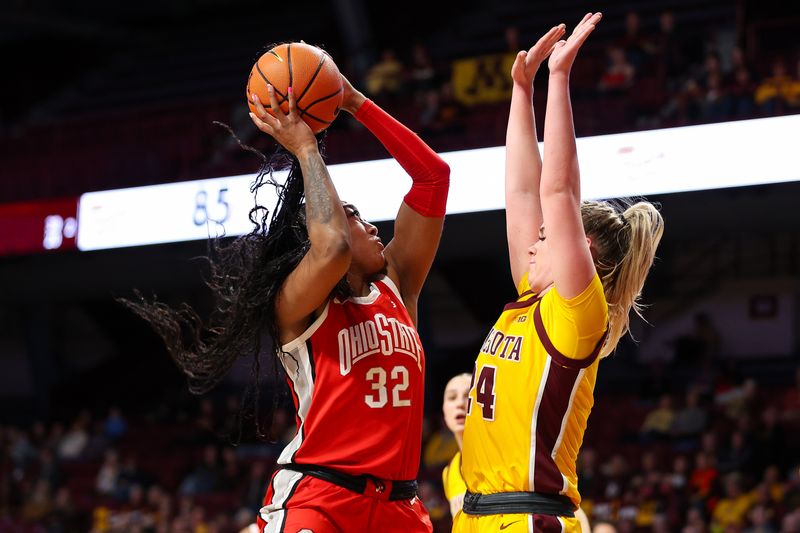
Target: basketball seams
{"points": [[284, 97], [305, 113], [311, 81]]}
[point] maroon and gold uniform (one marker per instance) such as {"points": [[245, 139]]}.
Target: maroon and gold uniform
{"points": [[530, 399]]}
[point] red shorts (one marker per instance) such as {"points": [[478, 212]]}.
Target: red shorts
{"points": [[297, 502]]}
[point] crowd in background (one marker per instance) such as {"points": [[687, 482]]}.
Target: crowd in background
{"points": [[664, 77], [719, 456]]}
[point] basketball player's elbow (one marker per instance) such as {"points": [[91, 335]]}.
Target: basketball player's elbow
{"points": [[441, 171]]}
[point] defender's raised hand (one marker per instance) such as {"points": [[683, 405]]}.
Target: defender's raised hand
{"points": [[527, 63], [564, 52]]}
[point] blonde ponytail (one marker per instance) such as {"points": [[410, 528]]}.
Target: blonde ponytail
{"points": [[624, 247]]}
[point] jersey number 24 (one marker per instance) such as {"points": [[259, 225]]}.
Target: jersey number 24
{"points": [[483, 388]]}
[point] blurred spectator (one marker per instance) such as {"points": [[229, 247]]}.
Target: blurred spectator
{"points": [[619, 72], [21, 450], [108, 475], [695, 520], [422, 74], [774, 485], [130, 476], [741, 89], [65, 517], [659, 422], [678, 478], [49, 468], [704, 475], [733, 506], [255, 487], [588, 476], [604, 527], [442, 114], [205, 477], [98, 442], [690, 421], [738, 457], [684, 107], [791, 522], [231, 475], [74, 441], [760, 518], [439, 449], [115, 425], [715, 105], [385, 78], [741, 400], [39, 503], [615, 472], [670, 54], [636, 46], [778, 92]]}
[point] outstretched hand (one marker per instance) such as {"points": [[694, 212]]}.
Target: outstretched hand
{"points": [[527, 63], [287, 128], [564, 52]]}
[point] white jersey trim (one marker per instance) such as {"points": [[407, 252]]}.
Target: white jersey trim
{"points": [[374, 292], [298, 366], [389, 283], [292, 345], [274, 513]]}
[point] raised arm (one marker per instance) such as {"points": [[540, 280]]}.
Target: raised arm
{"points": [[309, 285], [572, 264], [523, 162], [418, 226]]}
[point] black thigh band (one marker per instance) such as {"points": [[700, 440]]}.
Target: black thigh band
{"points": [[518, 503]]}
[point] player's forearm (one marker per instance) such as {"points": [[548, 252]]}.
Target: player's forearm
{"points": [[325, 218], [523, 160], [560, 172]]}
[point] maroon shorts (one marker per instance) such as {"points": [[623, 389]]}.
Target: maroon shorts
{"points": [[296, 502]]}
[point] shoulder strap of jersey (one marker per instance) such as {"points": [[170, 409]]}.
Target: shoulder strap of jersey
{"points": [[557, 356]]}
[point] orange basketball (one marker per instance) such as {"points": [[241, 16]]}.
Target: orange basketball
{"points": [[313, 76]]}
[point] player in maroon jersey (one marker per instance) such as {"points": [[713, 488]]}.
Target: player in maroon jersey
{"points": [[341, 309]]}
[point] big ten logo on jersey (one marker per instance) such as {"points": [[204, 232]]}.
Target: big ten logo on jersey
{"points": [[378, 335], [498, 344]]}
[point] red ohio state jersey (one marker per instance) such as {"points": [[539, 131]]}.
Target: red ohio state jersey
{"points": [[357, 376]]}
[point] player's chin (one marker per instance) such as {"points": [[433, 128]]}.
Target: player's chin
{"points": [[381, 267]]}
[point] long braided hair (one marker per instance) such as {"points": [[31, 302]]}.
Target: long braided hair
{"points": [[245, 278]]}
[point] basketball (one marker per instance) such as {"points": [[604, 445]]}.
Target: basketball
{"points": [[313, 76]]}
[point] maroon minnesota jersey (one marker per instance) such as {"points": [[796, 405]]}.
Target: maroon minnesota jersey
{"points": [[357, 375]]}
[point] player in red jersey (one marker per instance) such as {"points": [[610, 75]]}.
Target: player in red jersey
{"points": [[341, 309]]}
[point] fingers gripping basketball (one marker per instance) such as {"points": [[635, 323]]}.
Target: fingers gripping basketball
{"points": [[313, 76]]}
